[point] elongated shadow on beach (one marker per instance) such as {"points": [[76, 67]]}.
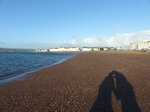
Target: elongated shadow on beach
{"points": [[123, 90]]}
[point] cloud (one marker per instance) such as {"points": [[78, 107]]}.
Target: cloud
{"points": [[113, 41]]}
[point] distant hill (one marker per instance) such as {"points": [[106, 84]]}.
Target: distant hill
{"points": [[1, 48], [15, 50]]}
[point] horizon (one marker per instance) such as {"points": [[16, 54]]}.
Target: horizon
{"points": [[49, 24]]}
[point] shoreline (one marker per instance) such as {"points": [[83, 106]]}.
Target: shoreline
{"points": [[20, 76], [73, 85]]}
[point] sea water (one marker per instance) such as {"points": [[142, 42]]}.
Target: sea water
{"points": [[17, 64]]}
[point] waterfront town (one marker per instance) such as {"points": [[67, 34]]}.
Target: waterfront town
{"points": [[132, 46]]}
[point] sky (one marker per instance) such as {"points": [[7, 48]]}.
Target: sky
{"points": [[73, 23]]}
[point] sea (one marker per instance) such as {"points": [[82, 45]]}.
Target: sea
{"points": [[15, 65]]}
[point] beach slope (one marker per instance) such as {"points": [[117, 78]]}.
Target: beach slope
{"points": [[96, 81]]}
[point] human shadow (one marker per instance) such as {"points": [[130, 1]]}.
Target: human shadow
{"points": [[103, 101], [123, 90]]}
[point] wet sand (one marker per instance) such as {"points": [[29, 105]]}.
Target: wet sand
{"points": [[83, 83]]}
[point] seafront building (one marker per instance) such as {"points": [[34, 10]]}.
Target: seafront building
{"points": [[136, 46], [124, 47], [90, 48], [64, 49], [41, 50], [78, 49], [107, 48], [131, 46], [97, 48], [140, 45]]}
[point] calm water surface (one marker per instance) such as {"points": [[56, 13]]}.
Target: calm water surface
{"points": [[14, 65]]}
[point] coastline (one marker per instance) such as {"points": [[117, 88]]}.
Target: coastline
{"points": [[4, 79], [73, 85]]}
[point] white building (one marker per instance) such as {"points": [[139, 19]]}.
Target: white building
{"points": [[64, 49], [124, 47], [97, 48], [90, 49], [140, 45], [108, 48]]}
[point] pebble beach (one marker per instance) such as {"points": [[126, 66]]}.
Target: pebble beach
{"points": [[88, 82]]}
